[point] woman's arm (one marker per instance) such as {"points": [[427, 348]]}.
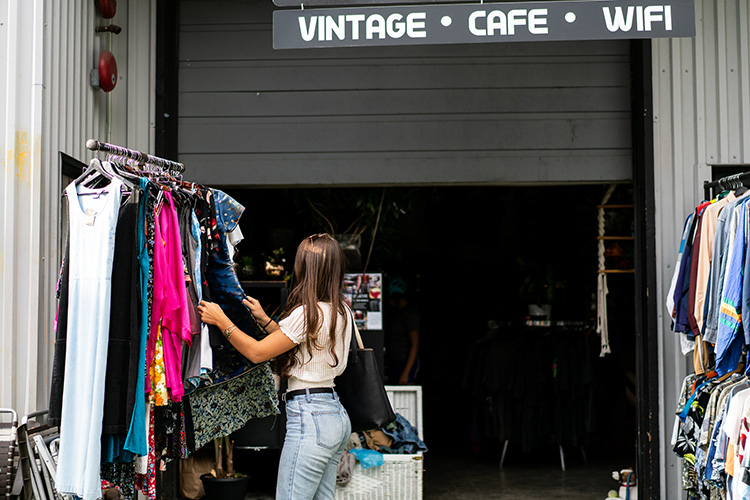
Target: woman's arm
{"points": [[256, 351]]}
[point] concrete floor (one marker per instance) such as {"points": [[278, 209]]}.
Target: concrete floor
{"points": [[464, 476]]}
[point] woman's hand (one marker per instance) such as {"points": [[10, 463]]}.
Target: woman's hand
{"points": [[212, 314], [256, 309]]}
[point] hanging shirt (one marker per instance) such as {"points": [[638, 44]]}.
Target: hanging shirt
{"points": [[700, 353], [718, 268], [704, 453], [705, 256], [170, 309], [695, 257], [682, 290], [731, 427], [675, 276], [728, 343], [746, 277]]}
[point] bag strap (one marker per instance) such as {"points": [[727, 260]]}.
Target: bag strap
{"points": [[356, 338]]}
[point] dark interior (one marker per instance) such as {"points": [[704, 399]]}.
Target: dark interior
{"points": [[475, 254]]}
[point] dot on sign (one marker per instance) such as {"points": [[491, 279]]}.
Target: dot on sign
{"points": [[570, 17], [446, 21]]}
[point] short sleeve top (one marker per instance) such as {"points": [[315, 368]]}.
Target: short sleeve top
{"points": [[316, 369]]}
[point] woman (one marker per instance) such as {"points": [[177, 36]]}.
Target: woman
{"points": [[309, 347]]}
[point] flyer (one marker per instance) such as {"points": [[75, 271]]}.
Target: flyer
{"points": [[363, 293]]}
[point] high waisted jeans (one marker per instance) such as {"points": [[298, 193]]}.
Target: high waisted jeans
{"points": [[317, 431]]}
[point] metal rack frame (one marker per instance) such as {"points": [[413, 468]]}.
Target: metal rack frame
{"points": [[725, 183], [173, 166]]}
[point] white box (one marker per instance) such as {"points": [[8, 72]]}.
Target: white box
{"points": [[401, 476]]}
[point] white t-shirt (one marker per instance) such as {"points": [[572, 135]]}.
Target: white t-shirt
{"points": [[317, 371], [734, 416]]}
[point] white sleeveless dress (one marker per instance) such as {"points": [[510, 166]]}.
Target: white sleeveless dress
{"points": [[92, 220]]}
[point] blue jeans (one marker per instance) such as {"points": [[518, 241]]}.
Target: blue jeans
{"points": [[317, 431]]}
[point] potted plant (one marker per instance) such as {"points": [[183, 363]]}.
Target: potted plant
{"points": [[247, 266], [276, 264], [224, 483]]}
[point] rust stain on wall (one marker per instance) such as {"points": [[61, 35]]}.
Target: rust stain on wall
{"points": [[18, 155]]}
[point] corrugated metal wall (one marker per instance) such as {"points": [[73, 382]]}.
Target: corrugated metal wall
{"points": [[701, 117], [46, 52], [483, 113], [21, 80]]}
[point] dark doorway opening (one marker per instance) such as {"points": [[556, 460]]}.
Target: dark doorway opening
{"points": [[472, 255]]}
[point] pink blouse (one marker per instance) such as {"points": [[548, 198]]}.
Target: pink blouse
{"points": [[170, 306]]}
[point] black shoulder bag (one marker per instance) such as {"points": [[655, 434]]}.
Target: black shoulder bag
{"points": [[361, 389]]}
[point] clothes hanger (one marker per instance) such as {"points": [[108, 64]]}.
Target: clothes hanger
{"points": [[96, 176], [121, 163], [740, 187], [119, 174], [93, 173]]}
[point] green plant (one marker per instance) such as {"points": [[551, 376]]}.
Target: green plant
{"points": [[356, 211], [247, 261], [277, 256], [364, 215]]}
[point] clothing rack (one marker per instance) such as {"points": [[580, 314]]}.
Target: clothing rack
{"points": [[559, 323], [572, 325], [170, 165], [725, 183]]}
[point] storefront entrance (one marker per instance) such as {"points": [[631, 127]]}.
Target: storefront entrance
{"points": [[267, 124]]}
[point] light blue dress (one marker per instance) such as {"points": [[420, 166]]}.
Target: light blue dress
{"points": [[93, 219]]}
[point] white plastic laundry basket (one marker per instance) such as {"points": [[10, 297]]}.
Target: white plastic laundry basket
{"points": [[400, 476]]}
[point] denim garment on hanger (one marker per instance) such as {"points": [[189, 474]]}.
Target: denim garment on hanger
{"points": [[225, 290]]}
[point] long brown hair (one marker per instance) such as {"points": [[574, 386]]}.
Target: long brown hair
{"points": [[319, 268]]}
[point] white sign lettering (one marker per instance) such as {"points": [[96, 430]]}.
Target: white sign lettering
{"points": [[503, 23], [375, 26], [622, 20]]}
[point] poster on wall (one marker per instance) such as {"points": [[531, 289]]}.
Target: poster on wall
{"points": [[364, 293]]}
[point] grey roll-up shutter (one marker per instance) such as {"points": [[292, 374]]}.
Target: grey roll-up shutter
{"points": [[455, 114]]}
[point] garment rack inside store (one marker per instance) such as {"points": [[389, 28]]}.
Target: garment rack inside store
{"points": [[563, 325], [172, 166], [724, 184]]}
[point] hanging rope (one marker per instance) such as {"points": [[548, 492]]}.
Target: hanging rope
{"points": [[601, 287]]}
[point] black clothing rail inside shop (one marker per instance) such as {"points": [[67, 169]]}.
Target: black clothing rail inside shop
{"points": [[725, 183], [135, 155]]}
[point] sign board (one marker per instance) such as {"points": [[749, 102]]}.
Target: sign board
{"points": [[363, 293], [482, 23]]}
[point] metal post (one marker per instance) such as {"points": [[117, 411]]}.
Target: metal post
{"points": [[502, 457]]}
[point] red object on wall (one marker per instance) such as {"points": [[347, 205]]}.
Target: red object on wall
{"points": [[108, 8], [107, 71]]}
